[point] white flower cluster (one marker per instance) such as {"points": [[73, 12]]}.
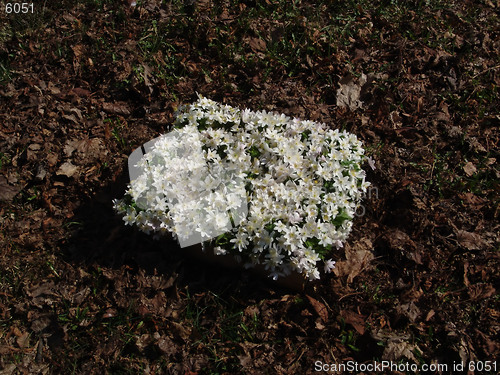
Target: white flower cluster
{"points": [[180, 192], [302, 182]]}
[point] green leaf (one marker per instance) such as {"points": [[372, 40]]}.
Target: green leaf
{"points": [[305, 135], [340, 218], [254, 152], [270, 226], [223, 239]]}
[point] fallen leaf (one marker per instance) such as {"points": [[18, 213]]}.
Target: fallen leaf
{"points": [[394, 351], [52, 159], [166, 346], [410, 310], [319, 307], [397, 345], [257, 44], [443, 114], [491, 161], [41, 289], [67, 169], [466, 271], [469, 240], [109, 313], [469, 169], [22, 340], [319, 325], [53, 89], [70, 118], [475, 144], [32, 151], [252, 311], [81, 92], [354, 319], [180, 331], [119, 108], [148, 77], [358, 257], [400, 242], [489, 346], [473, 200], [40, 324], [11, 367], [348, 95], [143, 341], [78, 50], [78, 113], [481, 291], [245, 360], [429, 315], [7, 191]]}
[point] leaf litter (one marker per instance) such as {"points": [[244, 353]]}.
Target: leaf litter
{"points": [[416, 281]]}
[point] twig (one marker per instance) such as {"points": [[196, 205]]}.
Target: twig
{"points": [[486, 70], [349, 295]]}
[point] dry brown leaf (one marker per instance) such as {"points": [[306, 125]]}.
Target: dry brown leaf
{"points": [[40, 324], [443, 114], [70, 147], [358, 257], [354, 319], [23, 340], [251, 311], [469, 240], [469, 169], [7, 191], [400, 241], [257, 44], [349, 92], [489, 346], [41, 289], [397, 350], [78, 91], [67, 169], [53, 89], [410, 310], [466, 271], [149, 79], [203, 5], [481, 291], [180, 331], [11, 367], [491, 161], [245, 360], [78, 50], [473, 200], [119, 108], [143, 341], [166, 346], [475, 144], [319, 325], [70, 118], [429, 315], [319, 307], [397, 345], [109, 313]]}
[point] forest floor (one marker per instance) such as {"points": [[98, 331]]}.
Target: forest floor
{"points": [[83, 83]]}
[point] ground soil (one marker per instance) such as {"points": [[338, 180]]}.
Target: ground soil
{"points": [[82, 85]]}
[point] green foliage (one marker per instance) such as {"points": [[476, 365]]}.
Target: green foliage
{"points": [[341, 217], [117, 128], [5, 73], [4, 160]]}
